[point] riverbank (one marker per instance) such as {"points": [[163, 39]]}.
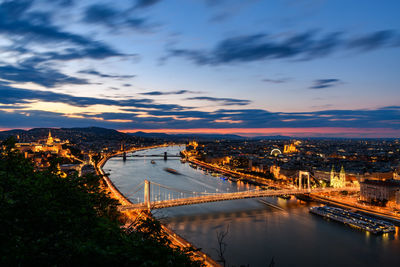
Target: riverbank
{"points": [[244, 176], [313, 197], [175, 239]]}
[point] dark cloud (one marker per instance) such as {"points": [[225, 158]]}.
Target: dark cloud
{"points": [[304, 46], [44, 76], [111, 17], [325, 83], [103, 75], [100, 13], [11, 95], [374, 40], [17, 21], [36, 69], [66, 3], [179, 92], [176, 116], [146, 3], [224, 101], [26, 27]]}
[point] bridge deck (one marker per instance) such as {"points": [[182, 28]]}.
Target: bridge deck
{"points": [[148, 156], [231, 196]]}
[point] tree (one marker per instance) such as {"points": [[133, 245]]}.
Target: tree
{"points": [[48, 220], [221, 235]]}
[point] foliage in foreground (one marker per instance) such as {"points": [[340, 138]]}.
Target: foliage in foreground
{"points": [[47, 220]]}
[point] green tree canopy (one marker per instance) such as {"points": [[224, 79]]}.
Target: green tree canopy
{"points": [[46, 220]]}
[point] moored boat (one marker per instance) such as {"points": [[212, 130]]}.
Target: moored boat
{"points": [[354, 220]]}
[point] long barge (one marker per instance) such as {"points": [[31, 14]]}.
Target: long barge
{"points": [[353, 219]]}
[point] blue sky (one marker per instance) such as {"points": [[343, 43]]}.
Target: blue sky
{"points": [[305, 67]]}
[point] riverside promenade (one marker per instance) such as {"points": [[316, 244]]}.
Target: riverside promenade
{"points": [[175, 239], [248, 177]]}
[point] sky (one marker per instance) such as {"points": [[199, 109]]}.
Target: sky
{"points": [[248, 67]]}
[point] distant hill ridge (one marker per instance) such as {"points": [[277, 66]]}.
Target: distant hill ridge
{"points": [[98, 133]]}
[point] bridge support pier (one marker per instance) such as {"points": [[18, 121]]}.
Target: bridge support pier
{"points": [[147, 194], [124, 156], [165, 155]]}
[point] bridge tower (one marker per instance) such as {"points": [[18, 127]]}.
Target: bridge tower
{"points": [[165, 155], [124, 156], [147, 194], [301, 174]]}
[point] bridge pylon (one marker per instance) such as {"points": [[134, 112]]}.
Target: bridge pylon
{"points": [[301, 173], [165, 156], [147, 194]]}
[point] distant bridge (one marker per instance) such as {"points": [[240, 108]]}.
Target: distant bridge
{"points": [[152, 200], [165, 155]]}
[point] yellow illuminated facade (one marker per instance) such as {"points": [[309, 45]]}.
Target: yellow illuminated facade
{"points": [[290, 149], [194, 144], [338, 181], [51, 145]]}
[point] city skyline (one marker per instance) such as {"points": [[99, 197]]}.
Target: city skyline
{"points": [[298, 68]]}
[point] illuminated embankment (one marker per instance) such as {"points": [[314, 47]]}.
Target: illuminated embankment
{"points": [[133, 215]]}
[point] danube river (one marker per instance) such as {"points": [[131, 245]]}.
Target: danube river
{"points": [[257, 233]]}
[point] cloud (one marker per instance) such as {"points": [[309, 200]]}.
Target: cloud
{"points": [[113, 18], [179, 92], [103, 75], [275, 80], [16, 96], [34, 27], [374, 40], [66, 3], [146, 3], [325, 83], [11, 95], [224, 101], [25, 28], [146, 114], [303, 46], [44, 76]]}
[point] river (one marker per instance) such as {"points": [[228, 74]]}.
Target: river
{"points": [[256, 233]]}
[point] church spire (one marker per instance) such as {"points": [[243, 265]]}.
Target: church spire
{"points": [[49, 139]]}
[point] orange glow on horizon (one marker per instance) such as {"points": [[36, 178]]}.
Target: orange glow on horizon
{"points": [[300, 132]]}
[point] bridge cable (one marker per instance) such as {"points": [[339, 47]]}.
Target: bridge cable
{"points": [[136, 188]]}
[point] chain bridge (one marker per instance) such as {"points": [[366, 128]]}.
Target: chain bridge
{"points": [[165, 155], [158, 196]]}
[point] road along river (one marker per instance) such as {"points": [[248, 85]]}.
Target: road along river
{"points": [[257, 233]]}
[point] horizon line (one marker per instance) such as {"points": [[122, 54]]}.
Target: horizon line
{"points": [[329, 132]]}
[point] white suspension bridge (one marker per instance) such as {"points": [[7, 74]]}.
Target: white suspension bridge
{"points": [[157, 196]]}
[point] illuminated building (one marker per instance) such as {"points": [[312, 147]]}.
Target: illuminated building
{"points": [[338, 181], [194, 144], [383, 193], [290, 149], [50, 145]]}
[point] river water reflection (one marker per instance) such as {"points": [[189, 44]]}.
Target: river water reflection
{"points": [[257, 233]]}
